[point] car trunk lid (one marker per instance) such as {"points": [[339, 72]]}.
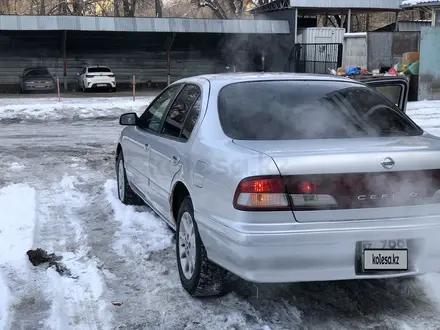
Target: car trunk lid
{"points": [[39, 79], [357, 179]]}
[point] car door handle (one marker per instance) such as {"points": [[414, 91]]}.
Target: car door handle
{"points": [[175, 160], [146, 146]]}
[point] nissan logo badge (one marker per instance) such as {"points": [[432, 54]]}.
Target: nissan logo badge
{"points": [[388, 163]]}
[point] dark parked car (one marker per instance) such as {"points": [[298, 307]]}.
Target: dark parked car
{"points": [[36, 79]]}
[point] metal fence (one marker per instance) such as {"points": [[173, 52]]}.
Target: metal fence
{"points": [[315, 58]]}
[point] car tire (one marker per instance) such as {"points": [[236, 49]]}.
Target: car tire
{"points": [[206, 279], [126, 195]]}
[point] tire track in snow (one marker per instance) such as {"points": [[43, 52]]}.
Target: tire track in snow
{"points": [[76, 303]]}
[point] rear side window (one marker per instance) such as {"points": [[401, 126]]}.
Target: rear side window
{"points": [[296, 110], [179, 111], [191, 120], [95, 70]]}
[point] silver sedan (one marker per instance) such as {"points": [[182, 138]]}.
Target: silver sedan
{"points": [[285, 178]]}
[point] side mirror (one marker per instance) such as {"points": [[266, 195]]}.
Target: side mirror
{"points": [[128, 119]]}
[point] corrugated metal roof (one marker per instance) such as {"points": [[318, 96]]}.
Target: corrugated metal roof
{"points": [[419, 3], [349, 4], [410, 26], [127, 24]]}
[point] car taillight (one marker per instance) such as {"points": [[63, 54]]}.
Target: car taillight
{"points": [[90, 76], [309, 196], [283, 193], [111, 75], [261, 194]]}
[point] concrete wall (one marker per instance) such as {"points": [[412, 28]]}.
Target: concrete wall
{"points": [[429, 78], [387, 48], [355, 52]]}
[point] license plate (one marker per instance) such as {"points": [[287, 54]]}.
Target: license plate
{"points": [[385, 244], [385, 255], [102, 85]]}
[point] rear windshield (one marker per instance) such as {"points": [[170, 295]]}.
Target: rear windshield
{"points": [[95, 70], [37, 72], [295, 110]]}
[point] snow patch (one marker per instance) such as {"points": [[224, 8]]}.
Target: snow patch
{"points": [[431, 284], [4, 302], [17, 225], [16, 166], [426, 114], [404, 326], [39, 110], [151, 232], [409, 3]]}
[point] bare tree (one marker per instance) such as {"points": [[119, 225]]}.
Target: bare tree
{"points": [[5, 7], [229, 8], [116, 10], [129, 8], [337, 20], [158, 8]]}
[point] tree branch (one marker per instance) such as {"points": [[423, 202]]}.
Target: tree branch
{"points": [[216, 10]]}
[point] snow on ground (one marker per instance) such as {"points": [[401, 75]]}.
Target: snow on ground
{"points": [[155, 234], [58, 192], [426, 114], [49, 109], [17, 224]]}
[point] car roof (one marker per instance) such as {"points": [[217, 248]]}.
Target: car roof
{"points": [[231, 77], [98, 66]]}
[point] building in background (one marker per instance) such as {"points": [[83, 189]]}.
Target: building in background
{"points": [[429, 6]]}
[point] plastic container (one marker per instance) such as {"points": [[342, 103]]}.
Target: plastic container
{"points": [[410, 57]]}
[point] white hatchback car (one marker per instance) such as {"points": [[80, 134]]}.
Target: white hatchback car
{"points": [[96, 77]]}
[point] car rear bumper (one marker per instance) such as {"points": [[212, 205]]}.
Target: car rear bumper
{"points": [[32, 87], [103, 83], [318, 254]]}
